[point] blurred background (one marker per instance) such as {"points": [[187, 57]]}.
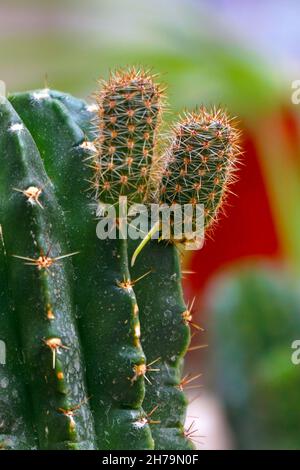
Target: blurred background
{"points": [[244, 56]]}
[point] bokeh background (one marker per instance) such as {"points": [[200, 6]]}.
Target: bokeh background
{"points": [[244, 56]]}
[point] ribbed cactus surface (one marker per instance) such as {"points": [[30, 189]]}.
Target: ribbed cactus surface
{"points": [[95, 348]]}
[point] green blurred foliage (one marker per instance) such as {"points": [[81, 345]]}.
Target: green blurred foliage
{"points": [[254, 315]]}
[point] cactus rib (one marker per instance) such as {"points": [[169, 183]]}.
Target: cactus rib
{"points": [[41, 293]]}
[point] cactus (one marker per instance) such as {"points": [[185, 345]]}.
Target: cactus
{"points": [[106, 310], [254, 313], [74, 316], [199, 164]]}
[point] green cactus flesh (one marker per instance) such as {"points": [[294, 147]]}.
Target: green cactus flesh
{"points": [[16, 431], [162, 311], [201, 160], [106, 309], [40, 285]]}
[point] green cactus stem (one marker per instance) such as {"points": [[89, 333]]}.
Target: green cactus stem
{"points": [[106, 306], [39, 272]]}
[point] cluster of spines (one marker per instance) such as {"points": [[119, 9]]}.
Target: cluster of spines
{"points": [[200, 162], [129, 109]]}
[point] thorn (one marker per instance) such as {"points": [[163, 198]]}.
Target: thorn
{"points": [[70, 412], [128, 283], [187, 379], [43, 261], [46, 81], [187, 317], [142, 369], [54, 344], [141, 277], [195, 348], [194, 399], [189, 433], [32, 193], [146, 419]]}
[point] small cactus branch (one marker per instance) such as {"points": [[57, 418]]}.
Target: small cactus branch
{"points": [[201, 162], [129, 108]]}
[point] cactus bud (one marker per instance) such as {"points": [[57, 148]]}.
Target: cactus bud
{"points": [[200, 161], [130, 105]]}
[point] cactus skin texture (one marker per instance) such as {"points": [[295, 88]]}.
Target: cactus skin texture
{"points": [[200, 161], [130, 105], [16, 430], [254, 312], [75, 316], [161, 304], [40, 292], [107, 312]]}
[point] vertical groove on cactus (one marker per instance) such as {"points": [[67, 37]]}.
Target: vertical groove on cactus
{"points": [[129, 107], [39, 282]]}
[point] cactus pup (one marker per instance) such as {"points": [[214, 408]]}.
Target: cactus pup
{"points": [[199, 165]]}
